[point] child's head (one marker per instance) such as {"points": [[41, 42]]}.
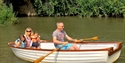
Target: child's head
{"points": [[22, 38], [35, 34]]}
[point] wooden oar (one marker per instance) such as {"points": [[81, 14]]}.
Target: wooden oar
{"points": [[86, 39], [93, 38], [42, 57]]}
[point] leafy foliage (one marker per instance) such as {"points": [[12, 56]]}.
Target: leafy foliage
{"points": [[7, 17], [85, 8]]}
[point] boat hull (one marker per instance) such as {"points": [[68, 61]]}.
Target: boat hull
{"points": [[89, 53]]}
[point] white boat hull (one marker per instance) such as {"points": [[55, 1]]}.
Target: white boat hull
{"points": [[85, 56]]}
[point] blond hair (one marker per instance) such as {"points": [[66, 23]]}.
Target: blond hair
{"points": [[26, 31]]}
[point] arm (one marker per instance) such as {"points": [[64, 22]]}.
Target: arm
{"points": [[17, 43], [71, 39], [38, 38]]}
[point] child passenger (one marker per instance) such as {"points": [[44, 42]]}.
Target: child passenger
{"points": [[35, 40], [20, 42]]}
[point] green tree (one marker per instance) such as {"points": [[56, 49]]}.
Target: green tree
{"points": [[7, 16]]}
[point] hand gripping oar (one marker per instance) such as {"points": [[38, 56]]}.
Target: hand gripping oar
{"points": [[93, 38], [42, 57], [86, 39]]}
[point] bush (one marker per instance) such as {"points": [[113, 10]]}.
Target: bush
{"points": [[85, 8], [7, 17]]}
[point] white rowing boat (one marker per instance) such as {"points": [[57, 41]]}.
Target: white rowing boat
{"points": [[90, 52]]}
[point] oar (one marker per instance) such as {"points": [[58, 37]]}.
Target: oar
{"points": [[86, 39], [42, 57], [93, 38]]}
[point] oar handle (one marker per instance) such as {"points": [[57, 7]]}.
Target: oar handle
{"points": [[57, 48], [42, 57]]}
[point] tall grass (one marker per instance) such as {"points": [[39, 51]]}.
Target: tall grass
{"points": [[7, 17], [85, 8]]}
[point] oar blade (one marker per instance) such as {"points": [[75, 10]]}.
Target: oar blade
{"points": [[95, 38]]}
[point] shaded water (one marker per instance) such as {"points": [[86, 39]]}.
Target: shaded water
{"points": [[108, 29]]}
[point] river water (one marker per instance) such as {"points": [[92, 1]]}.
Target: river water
{"points": [[108, 29]]}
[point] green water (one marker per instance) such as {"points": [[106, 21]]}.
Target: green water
{"points": [[108, 29]]}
